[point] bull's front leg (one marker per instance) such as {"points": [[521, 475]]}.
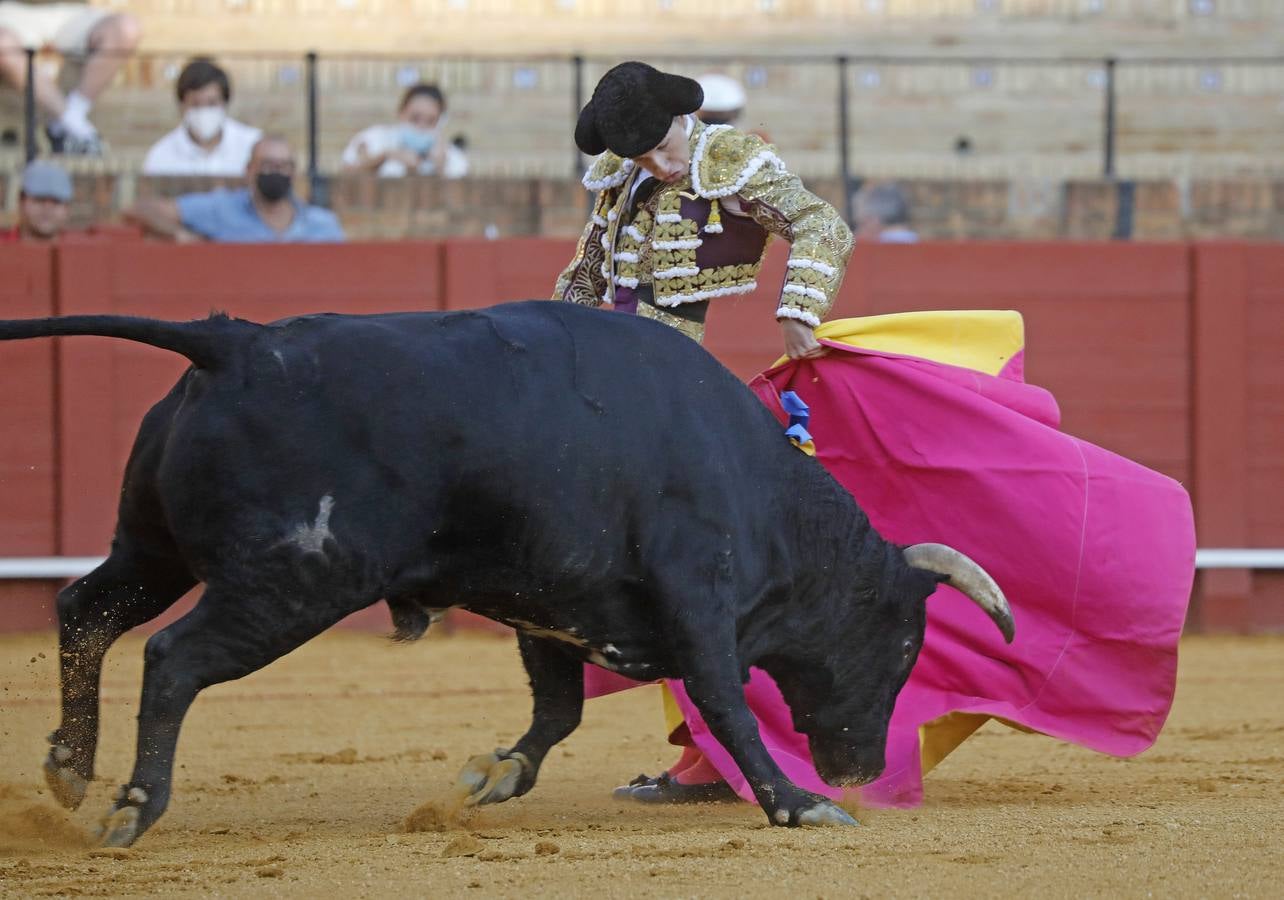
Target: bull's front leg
{"points": [[713, 683], [125, 591], [557, 685]]}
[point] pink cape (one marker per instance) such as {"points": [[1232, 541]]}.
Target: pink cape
{"points": [[1094, 552]]}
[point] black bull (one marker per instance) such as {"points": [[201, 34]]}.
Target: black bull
{"points": [[597, 481]]}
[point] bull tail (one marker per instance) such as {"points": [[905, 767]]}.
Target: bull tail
{"points": [[208, 343]]}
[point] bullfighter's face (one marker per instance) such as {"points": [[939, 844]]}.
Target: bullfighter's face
{"points": [[843, 699], [671, 158]]}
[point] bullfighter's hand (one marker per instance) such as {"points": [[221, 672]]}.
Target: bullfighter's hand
{"points": [[800, 340]]}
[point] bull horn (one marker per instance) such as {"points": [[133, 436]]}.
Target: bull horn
{"points": [[968, 578]]}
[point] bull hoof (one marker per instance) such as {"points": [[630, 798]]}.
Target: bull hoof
{"points": [[491, 777], [119, 828], [66, 784], [825, 813]]}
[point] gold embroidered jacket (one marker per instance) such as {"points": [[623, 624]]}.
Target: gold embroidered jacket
{"points": [[688, 250]]}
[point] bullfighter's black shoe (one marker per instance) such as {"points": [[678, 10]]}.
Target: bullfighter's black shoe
{"points": [[664, 788]]}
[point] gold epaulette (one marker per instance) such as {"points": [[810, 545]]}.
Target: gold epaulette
{"points": [[607, 171], [724, 160]]}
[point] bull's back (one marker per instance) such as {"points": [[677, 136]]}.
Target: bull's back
{"points": [[540, 426]]}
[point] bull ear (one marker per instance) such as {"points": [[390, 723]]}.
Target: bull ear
{"points": [[968, 578]]}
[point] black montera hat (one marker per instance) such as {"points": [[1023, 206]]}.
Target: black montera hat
{"points": [[632, 109]]}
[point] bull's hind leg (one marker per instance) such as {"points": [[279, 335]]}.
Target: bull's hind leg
{"points": [[557, 684], [127, 590], [227, 636]]}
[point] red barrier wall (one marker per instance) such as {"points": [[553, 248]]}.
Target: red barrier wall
{"points": [[28, 483], [107, 385], [1166, 353], [1238, 427]]}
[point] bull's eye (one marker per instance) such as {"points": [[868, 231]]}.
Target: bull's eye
{"points": [[907, 648]]}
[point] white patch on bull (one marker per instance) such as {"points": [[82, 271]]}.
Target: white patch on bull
{"points": [[312, 538], [534, 630], [280, 358], [597, 657]]}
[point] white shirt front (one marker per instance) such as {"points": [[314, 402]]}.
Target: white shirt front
{"points": [[177, 154], [378, 139]]}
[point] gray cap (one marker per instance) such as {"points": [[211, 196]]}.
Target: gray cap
{"points": [[46, 180]]}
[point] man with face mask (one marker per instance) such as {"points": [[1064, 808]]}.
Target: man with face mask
{"points": [[264, 212], [44, 204], [207, 142]]}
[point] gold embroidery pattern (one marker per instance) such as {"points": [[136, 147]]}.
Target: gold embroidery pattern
{"points": [[630, 252], [582, 281], [817, 234], [693, 330], [705, 284], [726, 162]]}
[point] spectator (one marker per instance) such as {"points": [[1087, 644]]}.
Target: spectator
{"points": [[882, 214], [266, 211], [414, 145], [44, 203], [206, 142], [101, 38], [724, 99]]}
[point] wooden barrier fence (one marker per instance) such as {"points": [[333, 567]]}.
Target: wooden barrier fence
{"points": [[1166, 353]]}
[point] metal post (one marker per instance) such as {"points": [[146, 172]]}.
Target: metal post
{"points": [[844, 161], [577, 97], [29, 106], [315, 188], [1108, 130]]}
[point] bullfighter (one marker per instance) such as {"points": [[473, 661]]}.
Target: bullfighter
{"points": [[685, 211], [684, 214]]}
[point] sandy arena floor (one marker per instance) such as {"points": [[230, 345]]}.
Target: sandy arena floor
{"points": [[296, 782]]}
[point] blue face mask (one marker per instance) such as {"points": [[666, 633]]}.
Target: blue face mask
{"points": [[419, 141]]}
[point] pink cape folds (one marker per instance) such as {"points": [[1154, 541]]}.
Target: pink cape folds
{"points": [[1094, 552]]}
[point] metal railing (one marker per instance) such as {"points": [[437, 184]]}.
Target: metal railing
{"points": [[46, 568], [855, 78]]}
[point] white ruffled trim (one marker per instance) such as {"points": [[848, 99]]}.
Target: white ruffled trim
{"points": [[789, 312], [625, 281], [605, 241], [677, 272], [751, 168], [626, 257], [633, 232], [711, 228], [609, 181], [606, 297], [697, 296], [669, 218], [598, 221], [811, 292], [823, 268], [611, 215], [686, 244], [606, 272]]}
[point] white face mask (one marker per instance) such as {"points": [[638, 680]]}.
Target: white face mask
{"points": [[205, 122]]}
